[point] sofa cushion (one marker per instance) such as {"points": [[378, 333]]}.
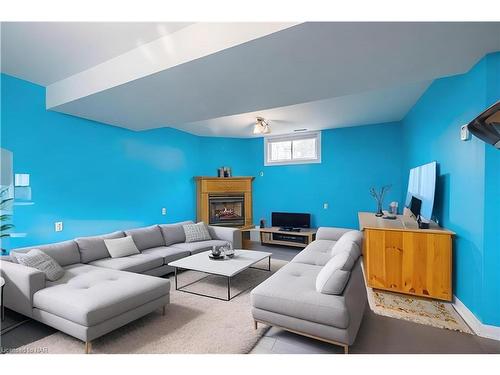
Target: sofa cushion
{"points": [[169, 253], [196, 232], [89, 295], [93, 248], [198, 247], [134, 263], [352, 240], [173, 233], [317, 253], [39, 260], [121, 247], [333, 277], [292, 291], [147, 237], [64, 253]]}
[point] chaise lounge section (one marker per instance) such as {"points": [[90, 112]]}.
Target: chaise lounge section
{"points": [[289, 299], [97, 293]]}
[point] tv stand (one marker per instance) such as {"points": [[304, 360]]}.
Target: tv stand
{"points": [[277, 236]]}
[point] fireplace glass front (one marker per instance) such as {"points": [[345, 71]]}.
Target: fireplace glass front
{"points": [[227, 210]]}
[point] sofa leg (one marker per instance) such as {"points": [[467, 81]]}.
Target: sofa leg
{"points": [[346, 349], [255, 324], [88, 347], [163, 310]]}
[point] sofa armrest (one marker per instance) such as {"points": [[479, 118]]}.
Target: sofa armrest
{"points": [[330, 233], [232, 235], [21, 283]]}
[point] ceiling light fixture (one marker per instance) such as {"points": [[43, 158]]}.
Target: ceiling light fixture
{"points": [[261, 126]]}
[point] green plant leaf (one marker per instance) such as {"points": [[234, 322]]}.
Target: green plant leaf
{"points": [[5, 227]]}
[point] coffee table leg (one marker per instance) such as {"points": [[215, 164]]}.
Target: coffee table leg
{"points": [[175, 278], [228, 288], [269, 267]]}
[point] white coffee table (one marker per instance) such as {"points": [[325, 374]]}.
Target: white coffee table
{"points": [[227, 267]]}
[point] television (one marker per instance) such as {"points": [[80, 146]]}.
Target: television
{"points": [[421, 189], [290, 220]]}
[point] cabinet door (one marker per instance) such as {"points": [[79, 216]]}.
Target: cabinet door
{"points": [[427, 264], [384, 259]]}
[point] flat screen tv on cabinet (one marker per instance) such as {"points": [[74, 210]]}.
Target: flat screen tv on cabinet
{"points": [[290, 220], [421, 187]]}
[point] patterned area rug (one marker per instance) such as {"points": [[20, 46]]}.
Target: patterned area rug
{"points": [[418, 310]]}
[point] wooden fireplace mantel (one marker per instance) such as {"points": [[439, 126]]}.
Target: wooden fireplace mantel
{"points": [[217, 186]]}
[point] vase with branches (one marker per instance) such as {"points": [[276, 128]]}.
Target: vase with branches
{"points": [[4, 218], [379, 197]]}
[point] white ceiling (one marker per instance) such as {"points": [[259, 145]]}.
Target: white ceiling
{"points": [[46, 52], [213, 79]]}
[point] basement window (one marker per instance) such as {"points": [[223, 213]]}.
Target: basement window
{"points": [[302, 148]]}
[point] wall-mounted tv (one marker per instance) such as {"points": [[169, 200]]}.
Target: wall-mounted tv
{"points": [[290, 220], [422, 185]]}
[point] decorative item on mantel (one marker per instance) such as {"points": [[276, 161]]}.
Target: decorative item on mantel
{"points": [[224, 172], [379, 197]]}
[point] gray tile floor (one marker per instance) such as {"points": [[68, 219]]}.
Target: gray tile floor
{"points": [[377, 334]]}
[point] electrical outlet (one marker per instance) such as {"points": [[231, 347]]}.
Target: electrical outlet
{"points": [[325, 206], [58, 226], [261, 174], [164, 211], [464, 133]]}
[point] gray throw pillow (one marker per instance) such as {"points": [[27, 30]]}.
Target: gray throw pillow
{"points": [[174, 233], [38, 259], [121, 247], [196, 232], [334, 276]]}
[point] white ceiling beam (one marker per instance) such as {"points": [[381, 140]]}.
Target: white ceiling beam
{"points": [[190, 43]]}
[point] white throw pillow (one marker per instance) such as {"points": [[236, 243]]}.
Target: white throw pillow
{"points": [[350, 241], [196, 232], [121, 247], [334, 276], [36, 258]]}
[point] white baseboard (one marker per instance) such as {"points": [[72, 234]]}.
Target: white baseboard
{"points": [[480, 329]]}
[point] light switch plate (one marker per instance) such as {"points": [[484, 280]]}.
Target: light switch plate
{"points": [[58, 226], [325, 206]]}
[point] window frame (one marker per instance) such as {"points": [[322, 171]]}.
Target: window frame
{"points": [[291, 137]]}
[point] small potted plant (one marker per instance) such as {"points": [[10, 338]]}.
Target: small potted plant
{"points": [[379, 197], [4, 227]]}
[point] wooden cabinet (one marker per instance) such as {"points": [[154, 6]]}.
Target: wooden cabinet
{"points": [[405, 259]]}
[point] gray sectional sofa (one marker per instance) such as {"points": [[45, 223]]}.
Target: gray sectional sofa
{"points": [[289, 299], [97, 293]]}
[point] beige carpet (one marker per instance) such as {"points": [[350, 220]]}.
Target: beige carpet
{"points": [[418, 310], [192, 324]]}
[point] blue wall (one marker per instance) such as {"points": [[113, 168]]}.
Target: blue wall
{"points": [[431, 132], [353, 160], [94, 178], [97, 178], [491, 275]]}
